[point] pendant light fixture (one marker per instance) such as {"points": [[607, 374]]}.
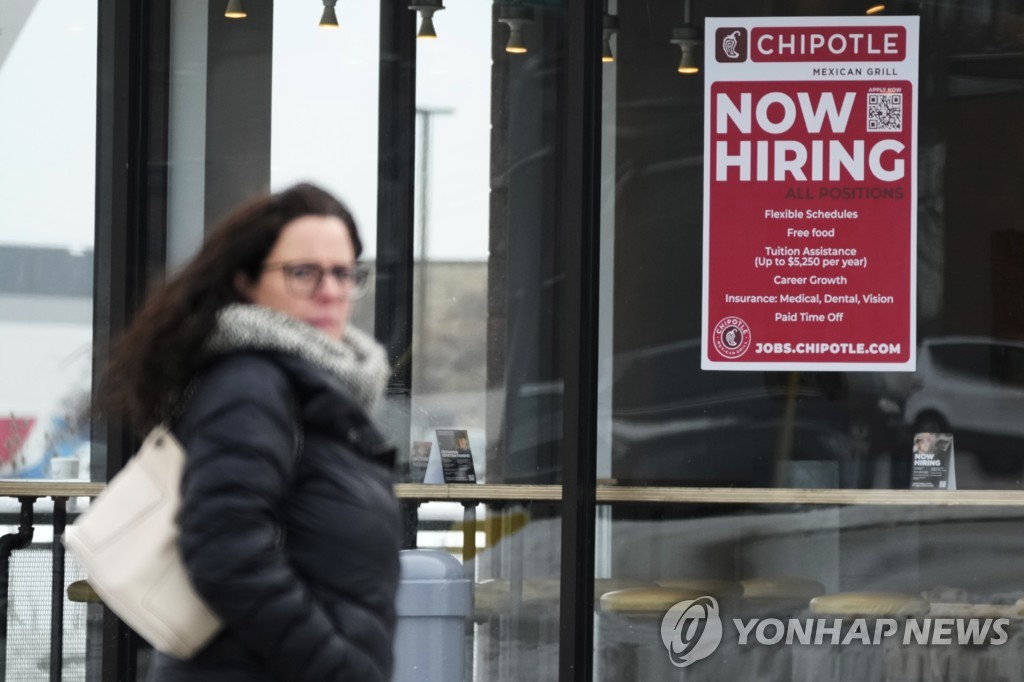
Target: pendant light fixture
{"points": [[516, 17], [426, 8], [610, 26], [235, 10], [688, 39], [877, 8], [329, 19]]}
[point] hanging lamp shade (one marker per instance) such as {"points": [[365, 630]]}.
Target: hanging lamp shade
{"points": [[687, 38], [235, 10], [517, 18], [688, 61], [427, 8], [329, 19], [610, 26], [607, 55], [427, 27]]}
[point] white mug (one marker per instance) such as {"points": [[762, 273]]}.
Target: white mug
{"points": [[64, 467]]}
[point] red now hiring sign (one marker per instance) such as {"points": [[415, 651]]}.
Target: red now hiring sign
{"points": [[810, 193]]}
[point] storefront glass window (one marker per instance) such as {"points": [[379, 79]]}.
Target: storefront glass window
{"points": [[452, 238], [324, 106], [676, 424], [810, 592], [743, 473], [266, 101], [486, 309], [47, 222]]}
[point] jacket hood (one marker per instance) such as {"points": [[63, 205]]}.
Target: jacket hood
{"points": [[357, 361]]}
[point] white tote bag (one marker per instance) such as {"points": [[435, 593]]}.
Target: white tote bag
{"points": [[127, 541]]}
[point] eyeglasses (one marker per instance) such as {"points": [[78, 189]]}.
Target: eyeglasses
{"points": [[304, 279]]}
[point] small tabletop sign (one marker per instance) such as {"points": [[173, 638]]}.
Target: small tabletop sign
{"points": [[934, 467], [419, 457], [456, 458]]}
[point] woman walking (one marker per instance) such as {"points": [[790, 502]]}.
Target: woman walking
{"points": [[289, 525]]}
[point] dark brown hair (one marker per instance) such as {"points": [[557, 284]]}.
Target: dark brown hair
{"points": [[160, 352]]}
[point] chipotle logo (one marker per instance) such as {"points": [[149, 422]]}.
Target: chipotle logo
{"points": [[828, 44], [731, 44]]}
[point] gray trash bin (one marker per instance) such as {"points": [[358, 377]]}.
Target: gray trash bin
{"points": [[434, 600]]}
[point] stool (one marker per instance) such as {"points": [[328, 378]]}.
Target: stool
{"points": [[719, 589], [490, 599], [491, 603], [645, 601], [509, 645], [857, 661], [630, 633], [493, 597], [869, 604], [603, 586], [979, 660], [81, 591], [778, 597], [789, 588]]}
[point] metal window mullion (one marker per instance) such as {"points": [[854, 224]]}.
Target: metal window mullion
{"points": [[579, 142], [396, 158], [125, 227]]}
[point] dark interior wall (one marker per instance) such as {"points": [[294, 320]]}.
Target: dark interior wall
{"points": [[658, 179], [1007, 247], [524, 298], [984, 205], [970, 180], [238, 104]]}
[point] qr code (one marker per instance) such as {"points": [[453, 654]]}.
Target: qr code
{"points": [[885, 112]]}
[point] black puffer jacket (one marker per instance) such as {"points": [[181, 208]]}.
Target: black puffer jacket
{"points": [[296, 551]]}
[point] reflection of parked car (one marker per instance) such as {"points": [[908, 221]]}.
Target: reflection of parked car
{"points": [[674, 423], [972, 387]]}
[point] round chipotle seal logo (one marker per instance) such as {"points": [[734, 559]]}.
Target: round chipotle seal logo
{"points": [[732, 337]]}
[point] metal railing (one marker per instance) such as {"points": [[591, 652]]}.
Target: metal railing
{"points": [[29, 494]]}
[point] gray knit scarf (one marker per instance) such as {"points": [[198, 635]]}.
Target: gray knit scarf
{"points": [[358, 361]]}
